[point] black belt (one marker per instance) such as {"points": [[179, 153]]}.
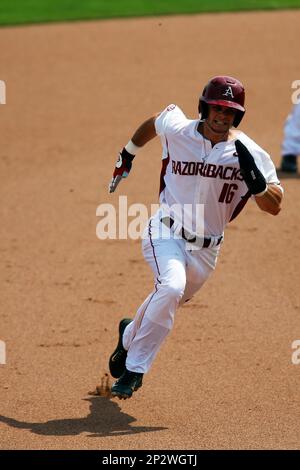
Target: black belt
{"points": [[206, 241]]}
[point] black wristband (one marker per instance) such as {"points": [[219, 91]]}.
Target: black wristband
{"points": [[126, 155], [126, 159]]}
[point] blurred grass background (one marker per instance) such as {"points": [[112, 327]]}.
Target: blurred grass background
{"points": [[39, 11]]}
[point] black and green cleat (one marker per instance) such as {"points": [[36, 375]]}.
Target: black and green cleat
{"points": [[118, 358], [289, 164], [128, 383]]}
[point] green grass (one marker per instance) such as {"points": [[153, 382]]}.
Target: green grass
{"points": [[38, 11]]}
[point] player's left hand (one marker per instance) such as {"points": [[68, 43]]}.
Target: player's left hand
{"points": [[253, 177], [122, 169]]}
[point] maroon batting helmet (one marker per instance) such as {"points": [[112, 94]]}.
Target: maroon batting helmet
{"points": [[223, 91]]}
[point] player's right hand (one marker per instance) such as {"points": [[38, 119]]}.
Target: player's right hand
{"points": [[122, 169]]}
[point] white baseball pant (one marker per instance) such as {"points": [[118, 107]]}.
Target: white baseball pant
{"points": [[291, 140], [178, 274]]}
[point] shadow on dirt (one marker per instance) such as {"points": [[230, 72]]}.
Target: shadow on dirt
{"points": [[105, 419]]}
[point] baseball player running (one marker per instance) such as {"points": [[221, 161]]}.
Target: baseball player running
{"points": [[291, 141], [205, 163]]}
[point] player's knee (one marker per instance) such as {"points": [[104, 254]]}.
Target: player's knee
{"points": [[175, 290]]}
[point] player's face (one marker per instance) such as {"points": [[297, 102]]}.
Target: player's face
{"points": [[220, 118]]}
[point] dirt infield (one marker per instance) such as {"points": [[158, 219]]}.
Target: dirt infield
{"points": [[75, 92]]}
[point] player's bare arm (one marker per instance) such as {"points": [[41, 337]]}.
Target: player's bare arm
{"points": [[145, 132], [271, 200]]}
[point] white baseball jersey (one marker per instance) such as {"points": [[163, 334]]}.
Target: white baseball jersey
{"points": [[195, 173]]}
